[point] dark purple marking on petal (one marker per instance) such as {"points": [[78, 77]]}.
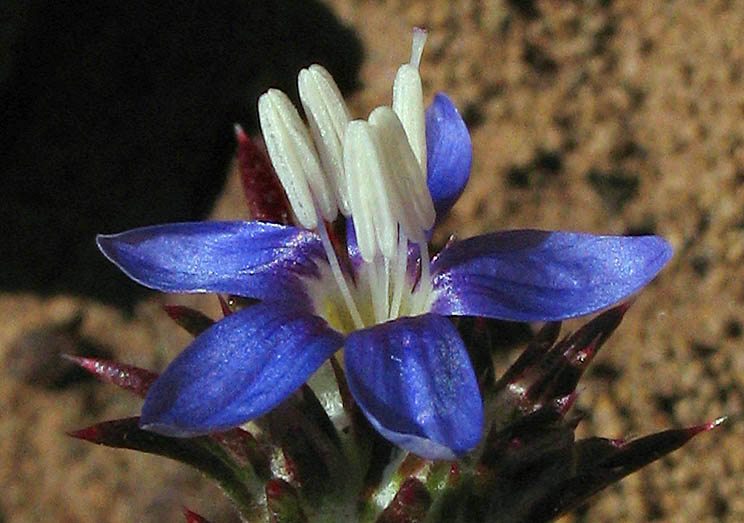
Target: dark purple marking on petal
{"points": [[413, 380], [413, 268], [352, 247], [238, 369], [530, 275], [251, 259]]}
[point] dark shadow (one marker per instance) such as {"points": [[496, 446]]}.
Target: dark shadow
{"points": [[121, 116]]}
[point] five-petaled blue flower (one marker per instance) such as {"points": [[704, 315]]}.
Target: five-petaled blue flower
{"points": [[379, 297]]}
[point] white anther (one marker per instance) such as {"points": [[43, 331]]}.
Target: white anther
{"points": [[373, 200], [294, 158], [416, 213], [408, 99], [328, 116]]}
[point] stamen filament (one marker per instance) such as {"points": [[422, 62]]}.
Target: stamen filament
{"points": [[368, 278], [338, 275], [373, 281], [385, 288], [399, 276]]}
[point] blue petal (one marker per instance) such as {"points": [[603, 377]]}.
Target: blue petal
{"points": [[238, 369], [543, 276], [252, 259], [413, 380], [450, 153]]}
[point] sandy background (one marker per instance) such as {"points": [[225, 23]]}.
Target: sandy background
{"points": [[604, 116]]}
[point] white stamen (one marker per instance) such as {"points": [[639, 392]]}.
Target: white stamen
{"points": [[374, 203], [295, 160], [417, 212], [328, 116], [408, 99]]}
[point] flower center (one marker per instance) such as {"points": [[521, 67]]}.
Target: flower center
{"points": [[374, 172]]}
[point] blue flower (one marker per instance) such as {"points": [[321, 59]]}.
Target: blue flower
{"points": [[379, 296]]}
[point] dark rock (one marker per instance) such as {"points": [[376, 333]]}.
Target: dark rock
{"points": [[121, 116], [36, 357], [616, 188]]}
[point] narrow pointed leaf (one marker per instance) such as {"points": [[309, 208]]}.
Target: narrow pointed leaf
{"points": [[244, 450], [532, 355], [571, 357], [601, 462], [193, 517], [124, 376], [307, 437], [191, 320], [283, 503], [196, 452], [410, 504], [632, 455], [263, 192]]}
